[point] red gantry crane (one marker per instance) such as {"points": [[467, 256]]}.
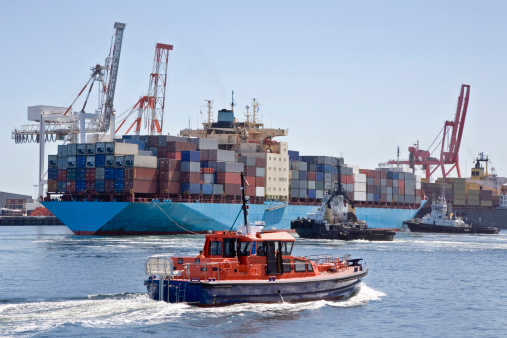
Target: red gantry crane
{"points": [[152, 105], [451, 142]]}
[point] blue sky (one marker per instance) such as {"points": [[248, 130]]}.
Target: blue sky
{"points": [[352, 78]]}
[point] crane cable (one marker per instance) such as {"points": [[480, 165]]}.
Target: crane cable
{"points": [[441, 130]]}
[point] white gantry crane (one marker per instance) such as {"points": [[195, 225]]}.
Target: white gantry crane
{"points": [[62, 123]]}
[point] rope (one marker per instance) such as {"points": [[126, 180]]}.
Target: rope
{"points": [[232, 226], [195, 233]]}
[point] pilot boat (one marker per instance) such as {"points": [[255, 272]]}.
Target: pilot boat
{"points": [[441, 220], [251, 265]]}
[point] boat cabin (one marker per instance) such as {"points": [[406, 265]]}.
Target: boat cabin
{"points": [[246, 254]]}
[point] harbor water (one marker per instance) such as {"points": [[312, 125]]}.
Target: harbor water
{"points": [[56, 284]]}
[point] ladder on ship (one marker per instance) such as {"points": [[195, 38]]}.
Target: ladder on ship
{"points": [[180, 293]]}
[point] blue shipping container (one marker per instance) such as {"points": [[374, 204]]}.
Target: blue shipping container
{"points": [[118, 186], [52, 173], [81, 161], [311, 193], [191, 156], [99, 185], [191, 188], [109, 174], [119, 175], [100, 161], [319, 176], [80, 174], [207, 189], [80, 186]]}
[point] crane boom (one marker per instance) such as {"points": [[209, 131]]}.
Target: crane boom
{"points": [[112, 63], [449, 153]]}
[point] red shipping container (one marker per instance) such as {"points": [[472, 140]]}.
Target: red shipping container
{"points": [[344, 179], [310, 176], [169, 187], [260, 181], [378, 174], [401, 184], [62, 175], [128, 185], [383, 174], [146, 174], [389, 182], [128, 174], [190, 177], [250, 171], [52, 185], [169, 164], [232, 189], [376, 181], [174, 155], [161, 152], [250, 191], [401, 191], [90, 186], [109, 185], [169, 176], [250, 181], [228, 178], [260, 162], [173, 146], [90, 175], [71, 186], [145, 187], [153, 141]]}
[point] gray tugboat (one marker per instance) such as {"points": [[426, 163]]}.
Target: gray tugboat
{"points": [[336, 219], [442, 220]]}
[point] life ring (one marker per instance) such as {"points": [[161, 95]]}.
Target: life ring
{"points": [[225, 267]]}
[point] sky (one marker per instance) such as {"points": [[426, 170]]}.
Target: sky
{"points": [[350, 78]]}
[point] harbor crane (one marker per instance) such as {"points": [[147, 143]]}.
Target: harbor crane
{"points": [[151, 106], [62, 123], [450, 143]]}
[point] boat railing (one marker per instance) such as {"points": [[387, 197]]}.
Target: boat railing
{"points": [[328, 259], [215, 271]]}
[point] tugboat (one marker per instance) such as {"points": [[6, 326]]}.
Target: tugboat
{"points": [[251, 265], [443, 220], [336, 219]]}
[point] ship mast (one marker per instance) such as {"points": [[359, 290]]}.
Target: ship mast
{"points": [[210, 107], [245, 209]]}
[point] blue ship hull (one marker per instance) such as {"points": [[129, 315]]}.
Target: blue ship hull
{"points": [[233, 292], [164, 217]]}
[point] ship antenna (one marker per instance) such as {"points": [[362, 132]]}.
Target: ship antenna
{"points": [[232, 103], [245, 209]]}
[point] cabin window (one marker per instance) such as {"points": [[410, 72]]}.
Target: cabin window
{"points": [[299, 266], [229, 247], [244, 249], [261, 250], [309, 267], [215, 248], [286, 266], [286, 248]]}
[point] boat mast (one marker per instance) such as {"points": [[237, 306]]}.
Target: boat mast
{"points": [[245, 209]]}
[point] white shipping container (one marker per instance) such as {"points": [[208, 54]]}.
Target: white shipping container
{"points": [[311, 185], [319, 194], [126, 149], [144, 161], [360, 178], [259, 191], [359, 195], [360, 186], [418, 185]]}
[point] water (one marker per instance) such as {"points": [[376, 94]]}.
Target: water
{"points": [[56, 284]]}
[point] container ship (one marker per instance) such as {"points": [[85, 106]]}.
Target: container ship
{"points": [[161, 184]]}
